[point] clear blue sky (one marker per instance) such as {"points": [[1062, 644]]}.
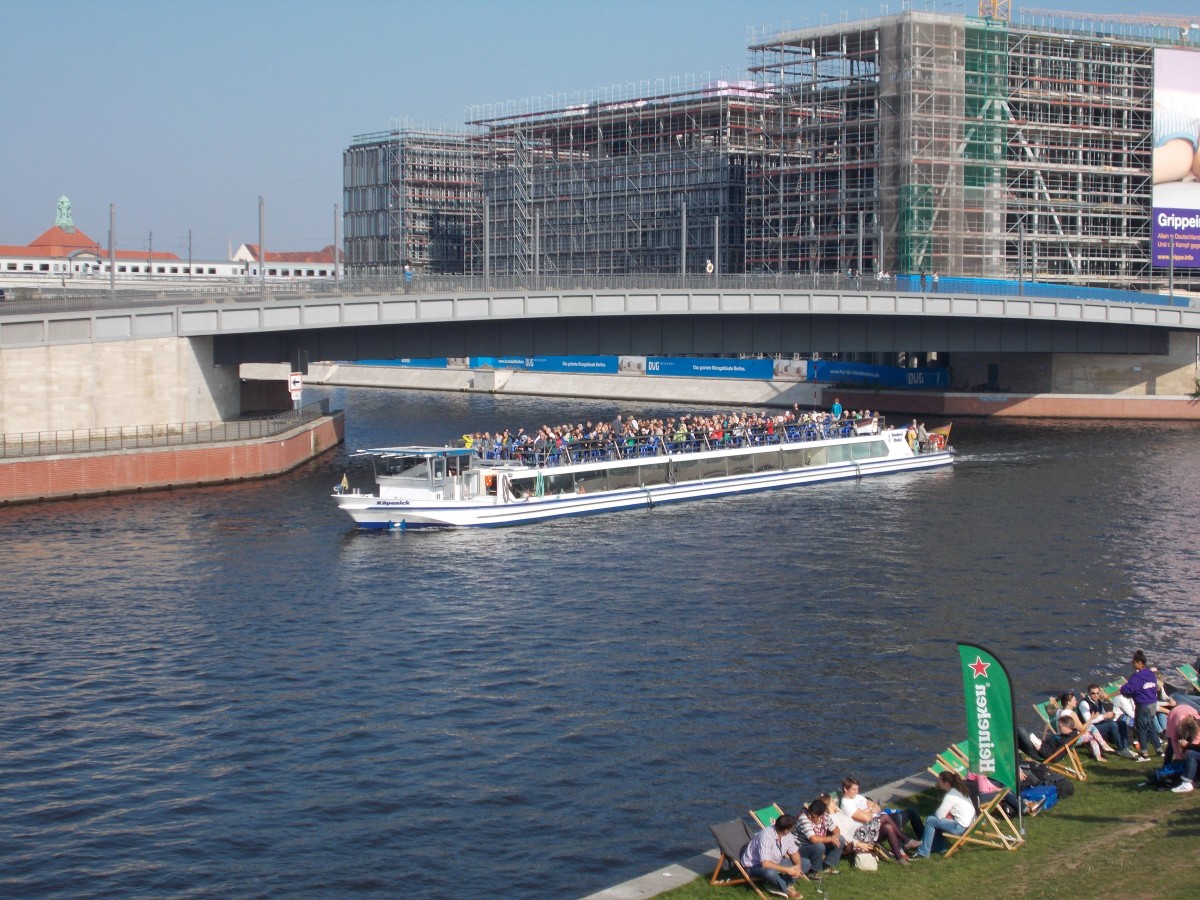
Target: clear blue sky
{"points": [[183, 113]]}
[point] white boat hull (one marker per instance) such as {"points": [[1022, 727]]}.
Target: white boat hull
{"points": [[372, 512]]}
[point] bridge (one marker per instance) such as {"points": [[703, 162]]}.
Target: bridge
{"points": [[123, 357]]}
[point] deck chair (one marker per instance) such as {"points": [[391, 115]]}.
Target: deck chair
{"points": [[1064, 759], [1190, 675], [732, 838], [1112, 689], [952, 759], [1046, 712], [991, 827], [766, 816]]}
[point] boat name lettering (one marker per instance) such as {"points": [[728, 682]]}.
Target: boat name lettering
{"points": [[394, 503]]}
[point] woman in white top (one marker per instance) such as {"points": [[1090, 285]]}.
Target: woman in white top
{"points": [[954, 816], [873, 825]]}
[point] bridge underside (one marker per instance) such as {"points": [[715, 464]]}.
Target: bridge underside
{"points": [[689, 335]]}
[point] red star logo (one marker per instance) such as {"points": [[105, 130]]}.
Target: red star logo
{"points": [[979, 667]]}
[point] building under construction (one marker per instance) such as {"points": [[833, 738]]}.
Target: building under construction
{"points": [[918, 142]]}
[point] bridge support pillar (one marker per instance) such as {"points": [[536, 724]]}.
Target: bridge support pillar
{"points": [[146, 381]]}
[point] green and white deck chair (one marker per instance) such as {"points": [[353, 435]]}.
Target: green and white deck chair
{"points": [[991, 827], [1047, 712], [1190, 674], [732, 838], [766, 816]]}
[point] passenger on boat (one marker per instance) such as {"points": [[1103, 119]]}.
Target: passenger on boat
{"points": [[922, 438], [874, 825]]}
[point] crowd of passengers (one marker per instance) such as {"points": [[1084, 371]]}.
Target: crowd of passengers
{"points": [[682, 433]]}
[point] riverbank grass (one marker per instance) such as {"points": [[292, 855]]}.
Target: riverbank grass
{"points": [[1113, 838]]}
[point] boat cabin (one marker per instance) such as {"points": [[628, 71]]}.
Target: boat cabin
{"points": [[423, 473]]}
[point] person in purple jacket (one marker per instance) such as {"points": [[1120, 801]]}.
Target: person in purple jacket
{"points": [[1142, 689]]}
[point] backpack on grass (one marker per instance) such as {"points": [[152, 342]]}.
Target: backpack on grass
{"points": [[1166, 777], [1047, 794]]}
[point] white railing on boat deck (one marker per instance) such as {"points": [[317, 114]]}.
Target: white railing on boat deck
{"points": [[643, 447]]}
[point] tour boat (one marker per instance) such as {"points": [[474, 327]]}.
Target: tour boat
{"points": [[459, 487]]}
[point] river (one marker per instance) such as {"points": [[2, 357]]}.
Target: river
{"points": [[230, 692]]}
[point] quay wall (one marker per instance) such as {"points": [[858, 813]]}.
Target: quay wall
{"points": [[722, 391], [26, 480]]}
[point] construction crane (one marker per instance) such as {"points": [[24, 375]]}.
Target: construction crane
{"points": [[995, 9]]}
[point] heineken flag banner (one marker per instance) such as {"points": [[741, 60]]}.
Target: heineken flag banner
{"points": [[989, 715]]}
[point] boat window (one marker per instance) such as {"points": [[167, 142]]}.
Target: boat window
{"points": [[559, 483], [591, 482], [414, 467], [795, 459], [521, 487], [623, 477], [713, 468], [862, 451], [767, 462], [818, 456], [687, 470], [879, 449], [838, 453], [741, 464], [654, 474]]}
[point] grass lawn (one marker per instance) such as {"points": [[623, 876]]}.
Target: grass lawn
{"points": [[1111, 839]]}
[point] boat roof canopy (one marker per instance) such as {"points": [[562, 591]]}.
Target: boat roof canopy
{"points": [[422, 452]]}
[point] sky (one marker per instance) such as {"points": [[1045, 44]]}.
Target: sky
{"points": [[182, 113]]}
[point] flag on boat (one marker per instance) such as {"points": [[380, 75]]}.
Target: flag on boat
{"points": [[943, 430], [988, 693]]}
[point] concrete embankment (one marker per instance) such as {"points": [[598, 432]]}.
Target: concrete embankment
{"points": [[65, 476], [737, 392]]}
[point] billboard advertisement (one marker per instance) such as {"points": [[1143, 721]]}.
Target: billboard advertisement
{"points": [[1176, 165]]}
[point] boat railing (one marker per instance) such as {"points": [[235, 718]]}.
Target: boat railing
{"points": [[132, 437], [649, 446]]}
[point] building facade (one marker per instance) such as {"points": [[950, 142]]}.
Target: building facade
{"points": [[917, 142]]}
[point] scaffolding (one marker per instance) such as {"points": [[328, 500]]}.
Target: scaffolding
{"points": [[909, 143], [627, 184], [412, 198], [924, 142]]}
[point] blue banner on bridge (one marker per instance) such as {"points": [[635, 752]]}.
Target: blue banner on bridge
{"points": [[711, 368], [591, 364], [836, 372]]}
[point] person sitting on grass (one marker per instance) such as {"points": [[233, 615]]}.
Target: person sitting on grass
{"points": [[820, 841], [766, 855], [873, 824], [1188, 737], [953, 816]]}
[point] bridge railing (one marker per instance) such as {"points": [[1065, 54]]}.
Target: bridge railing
{"points": [[51, 300], [133, 437]]}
